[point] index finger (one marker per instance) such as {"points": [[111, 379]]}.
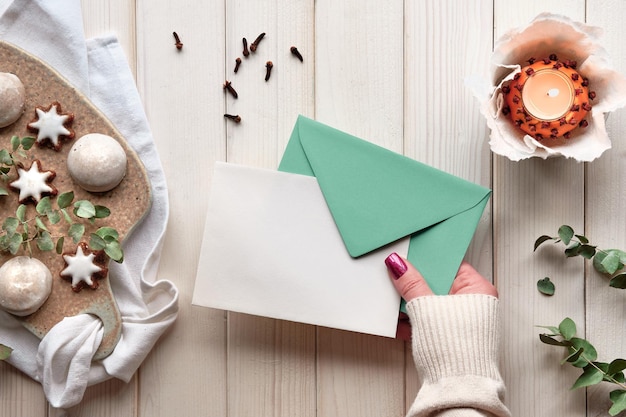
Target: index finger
{"points": [[407, 280]]}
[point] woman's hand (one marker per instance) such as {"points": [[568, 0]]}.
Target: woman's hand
{"points": [[411, 284]]}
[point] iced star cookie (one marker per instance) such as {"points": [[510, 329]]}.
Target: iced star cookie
{"points": [[33, 184], [52, 125], [84, 267], [12, 98], [97, 162], [25, 284]]}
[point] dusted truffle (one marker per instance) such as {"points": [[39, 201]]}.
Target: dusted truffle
{"points": [[97, 162], [25, 284], [12, 96]]}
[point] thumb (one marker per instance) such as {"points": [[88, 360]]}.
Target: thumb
{"points": [[407, 280]]}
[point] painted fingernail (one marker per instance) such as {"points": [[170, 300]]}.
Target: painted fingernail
{"points": [[396, 265]]}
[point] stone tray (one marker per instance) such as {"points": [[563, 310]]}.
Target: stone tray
{"points": [[129, 202]]}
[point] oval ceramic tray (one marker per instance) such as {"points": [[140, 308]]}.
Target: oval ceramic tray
{"points": [[129, 202]]}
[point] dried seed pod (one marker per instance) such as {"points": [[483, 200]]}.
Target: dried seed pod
{"points": [[234, 117], [256, 42], [228, 87], [296, 53], [268, 72]]}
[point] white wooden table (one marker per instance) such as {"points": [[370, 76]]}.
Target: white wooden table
{"points": [[390, 72]]}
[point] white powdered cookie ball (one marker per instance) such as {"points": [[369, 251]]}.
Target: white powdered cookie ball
{"points": [[12, 97], [25, 284], [97, 162]]}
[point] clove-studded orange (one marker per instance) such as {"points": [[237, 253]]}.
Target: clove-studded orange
{"points": [[553, 126]]}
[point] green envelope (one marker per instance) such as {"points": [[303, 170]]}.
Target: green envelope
{"points": [[377, 196]]}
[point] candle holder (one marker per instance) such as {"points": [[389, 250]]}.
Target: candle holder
{"points": [[550, 89]]}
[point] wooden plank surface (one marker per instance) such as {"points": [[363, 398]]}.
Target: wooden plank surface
{"points": [[391, 73]]}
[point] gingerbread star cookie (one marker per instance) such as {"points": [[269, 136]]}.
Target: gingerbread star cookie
{"points": [[84, 267], [52, 125], [33, 183]]}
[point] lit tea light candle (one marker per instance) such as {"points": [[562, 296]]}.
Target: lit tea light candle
{"points": [[548, 94], [548, 98]]}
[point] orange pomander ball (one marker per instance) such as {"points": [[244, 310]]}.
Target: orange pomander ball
{"points": [[574, 103]]}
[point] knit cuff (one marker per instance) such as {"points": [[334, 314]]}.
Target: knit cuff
{"points": [[455, 335], [455, 348]]}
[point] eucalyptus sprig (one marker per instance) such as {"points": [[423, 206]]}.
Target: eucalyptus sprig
{"points": [[606, 261], [19, 232], [580, 353]]}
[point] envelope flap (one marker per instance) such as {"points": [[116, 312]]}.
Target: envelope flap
{"points": [[377, 196]]}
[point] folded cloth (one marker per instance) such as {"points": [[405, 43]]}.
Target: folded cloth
{"points": [[53, 31]]}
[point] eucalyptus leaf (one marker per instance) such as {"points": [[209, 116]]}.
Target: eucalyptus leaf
{"points": [[76, 232], [587, 251], [84, 209], [15, 143], [44, 205], [40, 224], [542, 239], [549, 340], [5, 157], [607, 262], [102, 212], [618, 281], [545, 286], [64, 200], [103, 232], [3, 191], [114, 251], [5, 352], [591, 354], [590, 376], [566, 233], [573, 356], [567, 328], [44, 242], [618, 365], [53, 216], [618, 398], [582, 239], [28, 142], [20, 213], [96, 242], [15, 242], [573, 250], [10, 225], [59, 245]]}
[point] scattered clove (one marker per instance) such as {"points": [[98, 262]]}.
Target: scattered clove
{"points": [[228, 87], [179, 44], [296, 53], [237, 63], [234, 117], [245, 47], [268, 66], [256, 42]]}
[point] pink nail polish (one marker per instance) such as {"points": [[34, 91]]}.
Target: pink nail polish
{"points": [[396, 265]]}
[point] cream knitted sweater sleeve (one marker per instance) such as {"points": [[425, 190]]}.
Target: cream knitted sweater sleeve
{"points": [[455, 349]]}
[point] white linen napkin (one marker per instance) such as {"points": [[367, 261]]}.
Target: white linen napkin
{"points": [[62, 361]]}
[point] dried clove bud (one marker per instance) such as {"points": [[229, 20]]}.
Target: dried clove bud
{"points": [[256, 42], [245, 47], [228, 87], [296, 53], [234, 117], [237, 63], [179, 44], [268, 66]]}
